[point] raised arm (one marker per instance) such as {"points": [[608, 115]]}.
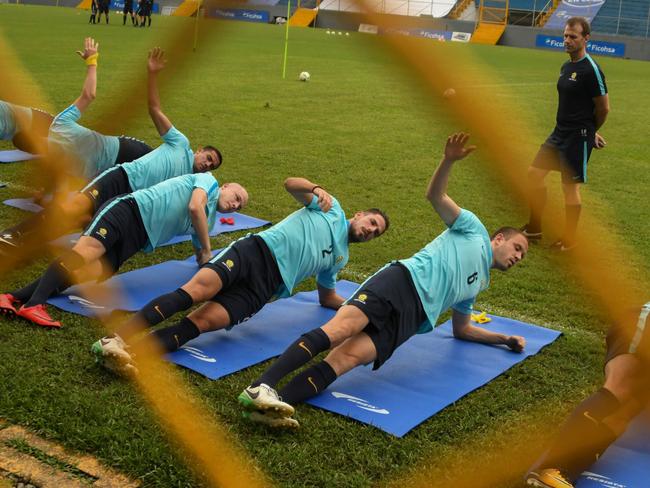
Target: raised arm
{"points": [[155, 63], [89, 90], [601, 109], [437, 191], [200, 223], [304, 190], [463, 329]]}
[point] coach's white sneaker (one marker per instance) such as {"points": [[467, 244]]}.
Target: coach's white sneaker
{"points": [[271, 420], [265, 399], [112, 353]]}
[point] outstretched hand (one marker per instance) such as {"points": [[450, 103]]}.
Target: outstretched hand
{"points": [[455, 147], [156, 60], [90, 48]]}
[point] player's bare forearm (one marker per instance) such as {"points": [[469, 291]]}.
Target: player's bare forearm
{"points": [[437, 193], [89, 89], [304, 191], [159, 119], [199, 219], [328, 298]]}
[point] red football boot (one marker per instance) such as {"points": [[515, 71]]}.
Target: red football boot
{"points": [[8, 304], [38, 315]]}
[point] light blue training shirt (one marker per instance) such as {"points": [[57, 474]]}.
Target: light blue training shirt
{"points": [[10, 115], [309, 242], [452, 269], [172, 158], [164, 207], [94, 152]]}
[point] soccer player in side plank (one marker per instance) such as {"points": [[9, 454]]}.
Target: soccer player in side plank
{"points": [[239, 281], [600, 419], [402, 299], [582, 109], [142, 220], [174, 157]]}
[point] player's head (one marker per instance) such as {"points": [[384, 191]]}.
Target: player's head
{"points": [[367, 225], [207, 158], [232, 197], [509, 246], [576, 34]]}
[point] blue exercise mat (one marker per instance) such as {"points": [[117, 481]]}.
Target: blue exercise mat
{"points": [[426, 374], [15, 156], [242, 222], [129, 291], [626, 463], [267, 334]]}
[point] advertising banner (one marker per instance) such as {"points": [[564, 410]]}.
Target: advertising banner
{"points": [[240, 14], [603, 48]]}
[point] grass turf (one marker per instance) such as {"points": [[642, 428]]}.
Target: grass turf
{"points": [[363, 130]]}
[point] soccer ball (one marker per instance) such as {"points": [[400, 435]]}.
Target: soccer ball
{"points": [[304, 76]]}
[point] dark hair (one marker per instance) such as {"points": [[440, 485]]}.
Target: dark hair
{"points": [[219, 156], [381, 213], [586, 28], [507, 232]]}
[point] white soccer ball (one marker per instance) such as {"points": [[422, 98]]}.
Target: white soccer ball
{"points": [[304, 76]]}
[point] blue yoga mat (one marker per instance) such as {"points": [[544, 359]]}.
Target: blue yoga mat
{"points": [[129, 291], [242, 222], [626, 463], [425, 375], [267, 334], [15, 155]]}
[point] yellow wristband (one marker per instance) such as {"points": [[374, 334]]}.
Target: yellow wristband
{"points": [[92, 60]]}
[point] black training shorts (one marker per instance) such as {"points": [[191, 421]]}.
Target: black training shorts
{"points": [[250, 277], [394, 310], [111, 183], [118, 226], [131, 149], [567, 151]]}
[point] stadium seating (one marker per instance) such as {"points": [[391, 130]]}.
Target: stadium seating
{"points": [[625, 17]]}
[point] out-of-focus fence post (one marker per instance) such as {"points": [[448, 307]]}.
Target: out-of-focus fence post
{"points": [[618, 21]]}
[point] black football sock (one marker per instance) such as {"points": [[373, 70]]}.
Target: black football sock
{"points": [[571, 225], [307, 346], [537, 202], [583, 437], [175, 336], [57, 277], [23, 294], [124, 20], [309, 383], [156, 311]]}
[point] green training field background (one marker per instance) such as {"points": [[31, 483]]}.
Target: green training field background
{"points": [[361, 129]]}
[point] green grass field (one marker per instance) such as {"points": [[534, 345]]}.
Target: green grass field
{"points": [[363, 130]]}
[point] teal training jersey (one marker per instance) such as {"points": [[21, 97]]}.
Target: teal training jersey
{"points": [[172, 158], [452, 269], [164, 207], [11, 118], [94, 152], [309, 242]]}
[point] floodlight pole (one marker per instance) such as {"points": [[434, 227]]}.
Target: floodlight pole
{"points": [[286, 41]]}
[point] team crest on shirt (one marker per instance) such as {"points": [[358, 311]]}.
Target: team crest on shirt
{"points": [[102, 232], [574, 76], [361, 298], [339, 259], [94, 193], [228, 263]]}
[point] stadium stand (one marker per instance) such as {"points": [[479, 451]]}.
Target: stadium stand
{"points": [[623, 17]]}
